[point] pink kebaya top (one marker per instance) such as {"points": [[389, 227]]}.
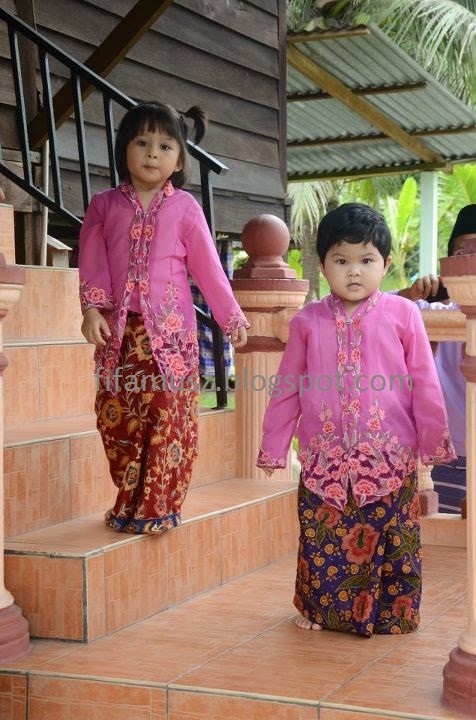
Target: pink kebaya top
{"points": [[361, 394], [132, 259]]}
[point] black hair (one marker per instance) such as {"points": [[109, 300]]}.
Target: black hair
{"points": [[465, 225], [158, 116], [353, 223]]}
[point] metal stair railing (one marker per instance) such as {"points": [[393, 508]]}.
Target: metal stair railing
{"points": [[79, 75]]}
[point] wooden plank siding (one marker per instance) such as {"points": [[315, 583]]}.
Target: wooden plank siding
{"points": [[227, 56]]}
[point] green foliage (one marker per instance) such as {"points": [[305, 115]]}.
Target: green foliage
{"points": [[455, 191], [439, 34], [402, 213], [294, 261]]}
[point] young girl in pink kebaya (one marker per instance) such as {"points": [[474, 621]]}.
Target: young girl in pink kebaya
{"points": [[358, 386], [138, 243]]}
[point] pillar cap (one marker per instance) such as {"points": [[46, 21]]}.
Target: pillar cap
{"points": [[265, 238]]}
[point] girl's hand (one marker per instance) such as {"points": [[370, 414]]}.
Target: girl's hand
{"points": [[95, 327], [239, 337], [268, 470]]}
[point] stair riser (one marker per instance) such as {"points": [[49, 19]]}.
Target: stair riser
{"points": [[48, 306], [48, 381], [54, 481], [84, 598], [51, 482]]}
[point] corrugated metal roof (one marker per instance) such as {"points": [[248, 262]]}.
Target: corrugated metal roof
{"points": [[359, 105]]}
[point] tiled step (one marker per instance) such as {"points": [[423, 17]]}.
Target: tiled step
{"points": [[443, 529], [234, 652], [48, 307], [56, 470], [47, 379], [80, 580]]}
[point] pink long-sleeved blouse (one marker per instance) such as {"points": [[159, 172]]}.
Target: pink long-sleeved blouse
{"points": [[132, 259], [361, 394]]}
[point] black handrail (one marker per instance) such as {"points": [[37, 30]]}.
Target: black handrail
{"points": [[80, 76]]}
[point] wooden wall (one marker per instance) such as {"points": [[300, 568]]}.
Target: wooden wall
{"points": [[226, 55]]}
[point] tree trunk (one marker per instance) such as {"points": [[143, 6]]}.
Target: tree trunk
{"points": [[310, 263]]}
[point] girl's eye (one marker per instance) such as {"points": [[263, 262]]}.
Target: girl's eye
{"points": [[142, 143], [366, 261], [340, 261], [164, 146]]}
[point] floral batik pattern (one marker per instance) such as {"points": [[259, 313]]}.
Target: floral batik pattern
{"points": [[149, 434], [359, 570]]}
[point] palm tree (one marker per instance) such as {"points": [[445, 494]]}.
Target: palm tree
{"points": [[310, 201], [440, 35]]}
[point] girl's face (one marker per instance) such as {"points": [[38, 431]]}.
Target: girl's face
{"points": [[152, 157], [354, 271]]}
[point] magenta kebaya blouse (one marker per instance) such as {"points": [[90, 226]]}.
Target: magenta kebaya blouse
{"points": [[131, 259], [361, 394]]}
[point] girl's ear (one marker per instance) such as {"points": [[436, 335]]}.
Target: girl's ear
{"points": [[179, 166], [388, 262]]}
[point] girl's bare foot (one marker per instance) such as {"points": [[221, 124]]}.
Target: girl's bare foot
{"points": [[306, 624]]}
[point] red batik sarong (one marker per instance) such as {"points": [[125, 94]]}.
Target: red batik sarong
{"points": [[149, 434]]}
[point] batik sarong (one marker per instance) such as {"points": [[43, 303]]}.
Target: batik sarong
{"points": [[359, 571], [149, 434]]}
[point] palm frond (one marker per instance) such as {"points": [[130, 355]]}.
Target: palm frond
{"points": [[309, 203], [439, 34]]}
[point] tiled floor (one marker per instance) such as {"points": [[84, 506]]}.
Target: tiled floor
{"points": [[234, 653]]}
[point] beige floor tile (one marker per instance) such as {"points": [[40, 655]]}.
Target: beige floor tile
{"points": [[239, 641]]}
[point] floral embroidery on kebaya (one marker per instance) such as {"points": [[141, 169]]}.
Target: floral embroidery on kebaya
{"points": [[93, 297], [441, 453], [236, 320], [373, 468], [265, 460], [178, 344], [349, 338], [173, 345]]}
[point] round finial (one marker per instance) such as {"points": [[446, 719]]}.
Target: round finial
{"points": [[265, 239]]}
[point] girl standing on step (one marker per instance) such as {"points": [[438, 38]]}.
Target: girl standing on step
{"points": [[137, 244], [358, 381]]}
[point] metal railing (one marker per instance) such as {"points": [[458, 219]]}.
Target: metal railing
{"points": [[80, 77]]}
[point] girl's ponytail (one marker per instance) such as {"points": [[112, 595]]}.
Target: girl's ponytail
{"points": [[200, 120]]}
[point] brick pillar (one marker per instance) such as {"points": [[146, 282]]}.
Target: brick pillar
{"points": [[269, 294], [459, 674], [14, 636]]}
